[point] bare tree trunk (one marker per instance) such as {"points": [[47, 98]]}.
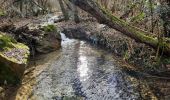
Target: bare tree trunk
{"points": [[151, 12], [75, 12], [21, 6], [64, 11], [76, 16], [105, 17]]}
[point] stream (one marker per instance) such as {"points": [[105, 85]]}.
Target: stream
{"points": [[84, 71]]}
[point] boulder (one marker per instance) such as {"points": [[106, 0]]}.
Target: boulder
{"points": [[13, 59], [40, 38], [50, 40]]}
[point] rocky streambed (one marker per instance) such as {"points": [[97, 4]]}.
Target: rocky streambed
{"points": [[83, 71]]}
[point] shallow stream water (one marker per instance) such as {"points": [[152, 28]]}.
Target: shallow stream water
{"points": [[86, 72]]}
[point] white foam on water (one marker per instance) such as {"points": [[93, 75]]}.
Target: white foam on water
{"points": [[63, 36]]}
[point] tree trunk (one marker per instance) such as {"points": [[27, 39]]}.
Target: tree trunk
{"points": [[105, 17], [64, 11], [75, 12], [21, 6], [152, 17], [76, 16]]}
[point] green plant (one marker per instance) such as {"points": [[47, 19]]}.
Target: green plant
{"points": [[6, 41], [139, 17], [49, 28], [126, 55], [2, 13]]}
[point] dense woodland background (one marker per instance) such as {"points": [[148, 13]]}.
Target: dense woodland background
{"points": [[136, 12], [150, 15]]}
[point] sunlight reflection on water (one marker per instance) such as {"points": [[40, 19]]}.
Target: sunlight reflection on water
{"points": [[83, 65], [83, 68]]}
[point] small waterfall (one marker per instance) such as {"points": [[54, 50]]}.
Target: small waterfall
{"points": [[52, 19], [63, 37]]}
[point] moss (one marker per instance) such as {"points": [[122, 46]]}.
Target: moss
{"points": [[138, 18], [7, 43], [135, 32], [2, 13], [126, 55], [7, 76], [11, 53], [49, 28], [132, 31]]}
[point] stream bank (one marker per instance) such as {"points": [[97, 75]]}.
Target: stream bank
{"points": [[22, 44], [137, 59], [139, 55]]}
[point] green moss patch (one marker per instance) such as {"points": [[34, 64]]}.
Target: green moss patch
{"points": [[2, 13], [49, 28], [13, 59], [12, 50], [6, 41]]}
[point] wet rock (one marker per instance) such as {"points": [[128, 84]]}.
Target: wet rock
{"points": [[50, 42], [59, 19], [13, 59], [39, 38]]}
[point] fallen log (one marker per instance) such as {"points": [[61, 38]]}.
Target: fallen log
{"points": [[105, 17]]}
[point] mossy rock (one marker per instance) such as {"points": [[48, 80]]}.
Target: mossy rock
{"points": [[50, 40], [13, 59]]}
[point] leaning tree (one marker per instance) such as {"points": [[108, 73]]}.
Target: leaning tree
{"points": [[105, 17]]}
